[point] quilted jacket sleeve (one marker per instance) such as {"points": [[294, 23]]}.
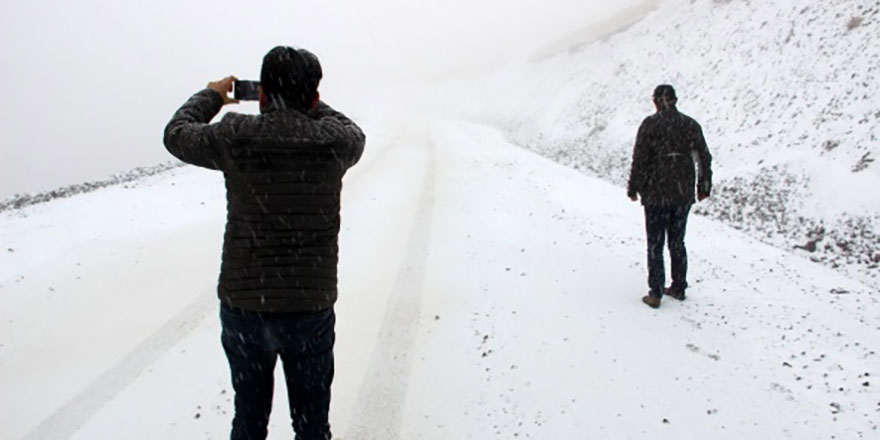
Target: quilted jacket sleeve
{"points": [[641, 151], [343, 132], [704, 163], [190, 137]]}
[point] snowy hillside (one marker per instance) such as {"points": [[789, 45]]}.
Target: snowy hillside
{"points": [[132, 177], [485, 292], [786, 91]]}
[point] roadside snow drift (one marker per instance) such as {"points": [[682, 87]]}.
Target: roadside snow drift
{"points": [[786, 92], [485, 293]]}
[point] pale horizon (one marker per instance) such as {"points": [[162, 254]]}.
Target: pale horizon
{"points": [[91, 86]]}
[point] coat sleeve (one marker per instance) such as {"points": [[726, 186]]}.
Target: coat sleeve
{"points": [[704, 162], [638, 171], [341, 131], [190, 137]]}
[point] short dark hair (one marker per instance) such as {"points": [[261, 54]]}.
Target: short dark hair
{"points": [[665, 91], [291, 75]]}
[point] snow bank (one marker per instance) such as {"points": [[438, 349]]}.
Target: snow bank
{"points": [[19, 201], [786, 92]]}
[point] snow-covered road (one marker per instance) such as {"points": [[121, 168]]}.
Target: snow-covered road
{"points": [[485, 292]]}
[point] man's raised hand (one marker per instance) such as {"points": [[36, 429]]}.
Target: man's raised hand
{"points": [[224, 88]]}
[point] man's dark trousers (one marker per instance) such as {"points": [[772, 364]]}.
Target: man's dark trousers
{"points": [[253, 341], [662, 223]]}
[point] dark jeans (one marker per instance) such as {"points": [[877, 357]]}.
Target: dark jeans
{"points": [[253, 341], [660, 222]]}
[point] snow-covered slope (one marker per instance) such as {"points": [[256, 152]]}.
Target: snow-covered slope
{"points": [[786, 91], [485, 292], [132, 177]]}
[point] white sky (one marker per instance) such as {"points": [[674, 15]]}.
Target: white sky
{"points": [[89, 85]]}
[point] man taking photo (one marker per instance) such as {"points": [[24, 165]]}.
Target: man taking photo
{"points": [[278, 278]]}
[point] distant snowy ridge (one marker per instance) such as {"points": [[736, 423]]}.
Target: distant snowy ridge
{"points": [[19, 201], [786, 92]]}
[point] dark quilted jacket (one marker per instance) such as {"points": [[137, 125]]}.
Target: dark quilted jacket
{"points": [[283, 171], [663, 171]]}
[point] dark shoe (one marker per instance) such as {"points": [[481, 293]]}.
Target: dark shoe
{"points": [[675, 293], [651, 301]]}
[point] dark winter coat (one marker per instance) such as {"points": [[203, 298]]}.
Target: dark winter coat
{"points": [[283, 171], [667, 144]]}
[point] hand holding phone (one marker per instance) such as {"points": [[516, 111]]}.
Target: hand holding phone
{"points": [[247, 90], [223, 87]]}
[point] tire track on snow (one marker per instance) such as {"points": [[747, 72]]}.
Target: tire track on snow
{"points": [[67, 419], [382, 395]]}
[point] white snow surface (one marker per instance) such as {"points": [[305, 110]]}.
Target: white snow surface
{"points": [[786, 92], [487, 291]]}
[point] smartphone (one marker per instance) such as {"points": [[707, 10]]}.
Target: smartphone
{"points": [[246, 90]]}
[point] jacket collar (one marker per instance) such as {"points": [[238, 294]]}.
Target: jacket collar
{"points": [[668, 110], [278, 104]]}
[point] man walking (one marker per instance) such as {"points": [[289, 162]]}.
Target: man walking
{"points": [[663, 174], [283, 170]]}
